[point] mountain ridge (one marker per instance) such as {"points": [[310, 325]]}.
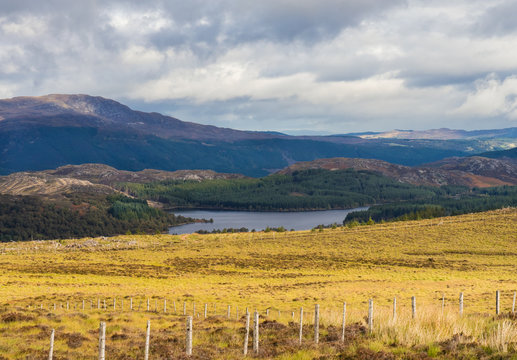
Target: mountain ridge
{"points": [[46, 132]]}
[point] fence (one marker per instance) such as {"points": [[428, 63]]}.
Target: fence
{"points": [[189, 326]]}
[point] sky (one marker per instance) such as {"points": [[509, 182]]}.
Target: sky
{"points": [[323, 66]]}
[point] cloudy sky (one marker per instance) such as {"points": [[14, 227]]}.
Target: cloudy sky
{"points": [[323, 65]]}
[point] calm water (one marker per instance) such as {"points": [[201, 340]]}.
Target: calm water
{"points": [[304, 220]]}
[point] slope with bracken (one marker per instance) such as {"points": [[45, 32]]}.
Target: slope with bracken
{"points": [[437, 174]]}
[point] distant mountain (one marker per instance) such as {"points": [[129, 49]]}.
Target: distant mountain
{"points": [[441, 134], [510, 154], [472, 172], [38, 133]]}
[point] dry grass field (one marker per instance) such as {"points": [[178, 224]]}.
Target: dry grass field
{"points": [[270, 272]]}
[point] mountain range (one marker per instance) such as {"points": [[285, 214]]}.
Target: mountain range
{"points": [[46, 132]]}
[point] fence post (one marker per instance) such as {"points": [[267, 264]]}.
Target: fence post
{"points": [[114, 303], [344, 321], [102, 340], [67, 306], [394, 308], [174, 305], [317, 323], [461, 304], [229, 312], [256, 332], [164, 305], [206, 310], [148, 304], [497, 301], [83, 304], [443, 302], [246, 334], [370, 315], [147, 336], [301, 326], [184, 308], [413, 307], [51, 351], [189, 335]]}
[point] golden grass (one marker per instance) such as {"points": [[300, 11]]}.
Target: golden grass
{"points": [[474, 254]]}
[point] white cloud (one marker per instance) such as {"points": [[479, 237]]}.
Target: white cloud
{"points": [[326, 65], [492, 97]]}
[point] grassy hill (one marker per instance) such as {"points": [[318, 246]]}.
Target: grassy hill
{"points": [[473, 254]]}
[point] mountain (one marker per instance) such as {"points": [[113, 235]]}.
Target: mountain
{"points": [[510, 154], [441, 134], [38, 133], [471, 172]]}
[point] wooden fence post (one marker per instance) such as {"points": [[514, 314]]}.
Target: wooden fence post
{"points": [[206, 310], [256, 332], [413, 307], [189, 336], [229, 312], [317, 323], [148, 304], [164, 305], [67, 306], [246, 334], [102, 340], [147, 336], [394, 308], [51, 351], [443, 302], [461, 304], [370, 316], [174, 305], [344, 321], [114, 303], [83, 304], [497, 302], [300, 335]]}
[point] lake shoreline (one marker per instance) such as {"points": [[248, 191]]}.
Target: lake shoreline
{"points": [[260, 220]]}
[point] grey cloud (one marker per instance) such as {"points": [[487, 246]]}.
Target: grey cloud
{"points": [[498, 20]]}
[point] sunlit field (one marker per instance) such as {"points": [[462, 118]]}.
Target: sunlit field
{"points": [[44, 283]]}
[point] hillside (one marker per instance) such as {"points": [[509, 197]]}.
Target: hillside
{"points": [[471, 171], [38, 133], [45, 284], [441, 134], [510, 154]]}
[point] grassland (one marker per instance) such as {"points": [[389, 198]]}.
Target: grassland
{"points": [[474, 254]]}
